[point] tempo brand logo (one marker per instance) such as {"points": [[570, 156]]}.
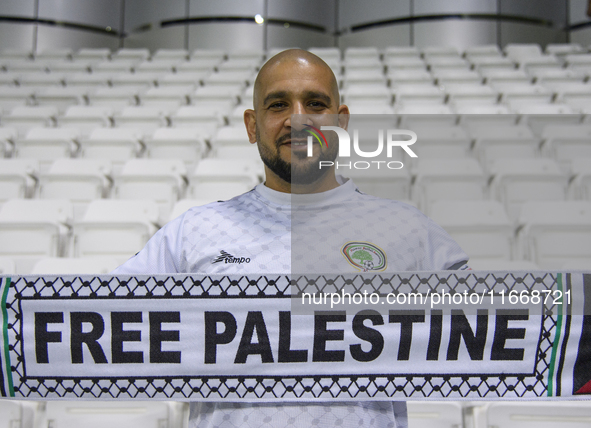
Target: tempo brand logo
{"points": [[345, 146]]}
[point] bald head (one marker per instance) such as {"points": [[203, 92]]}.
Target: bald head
{"points": [[299, 62]]}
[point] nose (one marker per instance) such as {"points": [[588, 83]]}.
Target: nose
{"points": [[298, 117]]}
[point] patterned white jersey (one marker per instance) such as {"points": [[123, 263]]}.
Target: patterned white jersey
{"points": [[341, 230]]}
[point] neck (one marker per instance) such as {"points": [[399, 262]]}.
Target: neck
{"points": [[327, 182]]}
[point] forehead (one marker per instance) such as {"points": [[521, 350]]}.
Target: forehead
{"points": [[296, 77]]}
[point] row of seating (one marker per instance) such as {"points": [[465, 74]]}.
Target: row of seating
{"points": [[421, 414], [546, 234]]}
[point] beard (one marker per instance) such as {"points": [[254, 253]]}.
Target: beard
{"points": [[302, 169]]}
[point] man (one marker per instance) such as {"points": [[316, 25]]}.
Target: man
{"points": [[260, 225]]}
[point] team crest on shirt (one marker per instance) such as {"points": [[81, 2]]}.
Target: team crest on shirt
{"points": [[365, 256]]}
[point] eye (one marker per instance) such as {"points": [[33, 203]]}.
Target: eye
{"points": [[317, 104], [277, 105]]}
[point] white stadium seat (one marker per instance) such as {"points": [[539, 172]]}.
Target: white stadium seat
{"points": [[32, 229], [581, 183], [7, 267], [61, 97], [516, 181], [505, 76], [232, 142], [201, 54], [445, 76], [148, 118], [448, 179], [182, 79], [75, 265], [527, 414], [482, 50], [160, 66], [135, 80], [161, 180], [114, 144], [47, 144], [418, 115], [434, 414], [120, 66], [93, 53], [117, 228], [220, 179], [327, 54], [405, 63], [499, 142], [207, 118], [166, 97], [23, 118], [7, 138], [470, 94], [482, 228], [86, 118], [418, 94], [11, 97], [185, 143], [17, 178], [88, 80], [114, 98], [442, 142], [78, 180], [131, 53], [401, 52], [401, 77], [368, 93], [179, 54]]}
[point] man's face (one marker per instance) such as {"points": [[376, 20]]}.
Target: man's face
{"points": [[295, 87]]}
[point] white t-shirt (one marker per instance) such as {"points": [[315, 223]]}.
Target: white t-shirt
{"points": [[341, 230]]}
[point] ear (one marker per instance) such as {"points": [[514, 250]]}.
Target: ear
{"points": [[343, 116], [250, 122]]}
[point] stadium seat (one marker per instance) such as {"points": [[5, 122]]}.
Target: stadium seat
{"points": [[405, 63], [393, 52], [47, 144], [327, 54], [239, 64], [523, 93], [114, 144], [11, 97], [581, 183], [204, 66], [7, 267], [167, 97], [16, 53], [482, 50], [482, 228], [220, 179], [179, 54], [78, 180], [493, 142], [18, 178], [528, 414], [440, 51], [86, 118], [485, 115], [442, 142], [88, 80], [226, 95], [114, 98], [7, 137], [116, 228], [566, 143], [577, 95], [434, 414], [440, 63], [482, 63], [563, 48], [364, 77], [182, 79], [540, 116], [207, 118], [505, 76], [161, 180], [62, 98], [446, 77], [232, 142], [418, 94], [69, 66], [147, 118], [560, 75], [450, 179], [470, 94], [516, 181], [230, 78], [74, 265], [23, 118], [258, 54], [135, 80], [369, 93], [361, 52], [131, 53], [200, 54], [120, 66], [401, 77], [359, 64], [185, 143], [160, 66], [16, 414], [32, 229], [419, 115], [92, 54]]}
